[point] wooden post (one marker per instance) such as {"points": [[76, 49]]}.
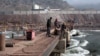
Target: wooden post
{"points": [[2, 42]]}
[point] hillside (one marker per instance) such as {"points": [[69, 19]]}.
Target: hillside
{"points": [[27, 4], [80, 19]]}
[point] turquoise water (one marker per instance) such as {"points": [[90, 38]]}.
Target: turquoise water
{"points": [[94, 42], [86, 44], [8, 34]]}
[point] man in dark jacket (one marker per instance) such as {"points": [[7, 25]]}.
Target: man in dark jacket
{"points": [[49, 26], [63, 27], [56, 23]]}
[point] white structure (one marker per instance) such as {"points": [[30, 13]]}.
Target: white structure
{"points": [[49, 9], [36, 6]]}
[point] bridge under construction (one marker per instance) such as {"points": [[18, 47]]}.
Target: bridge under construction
{"points": [[41, 45]]}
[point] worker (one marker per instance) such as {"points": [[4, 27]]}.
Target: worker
{"points": [[56, 23], [49, 26], [63, 27]]}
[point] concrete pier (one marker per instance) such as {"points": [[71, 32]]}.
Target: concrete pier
{"points": [[62, 45], [67, 33], [60, 48], [2, 42]]}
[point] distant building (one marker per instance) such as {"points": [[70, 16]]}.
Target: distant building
{"points": [[36, 7]]}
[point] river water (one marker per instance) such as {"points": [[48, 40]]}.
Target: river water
{"points": [[8, 34], [87, 43]]}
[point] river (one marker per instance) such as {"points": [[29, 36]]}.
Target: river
{"points": [[87, 43]]}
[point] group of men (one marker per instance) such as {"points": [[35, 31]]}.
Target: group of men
{"points": [[56, 25]]}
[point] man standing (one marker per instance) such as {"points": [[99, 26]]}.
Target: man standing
{"points": [[49, 26], [56, 23], [63, 27]]}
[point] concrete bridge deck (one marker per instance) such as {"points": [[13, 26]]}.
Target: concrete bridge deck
{"points": [[40, 46]]}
